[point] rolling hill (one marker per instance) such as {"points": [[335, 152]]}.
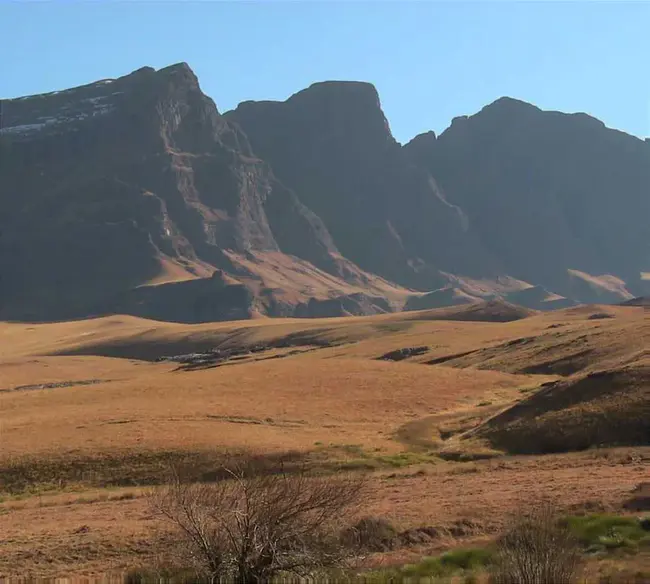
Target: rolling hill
{"points": [[117, 399]]}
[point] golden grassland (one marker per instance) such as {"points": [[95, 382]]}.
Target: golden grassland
{"points": [[88, 419]]}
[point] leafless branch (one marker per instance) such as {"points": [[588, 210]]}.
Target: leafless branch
{"points": [[250, 527]]}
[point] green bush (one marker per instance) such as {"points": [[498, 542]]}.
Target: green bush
{"points": [[467, 559], [450, 563], [608, 532], [463, 562]]}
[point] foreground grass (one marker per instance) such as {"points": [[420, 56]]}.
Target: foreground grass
{"points": [[602, 538], [606, 534], [467, 562], [355, 457], [603, 533], [26, 476]]}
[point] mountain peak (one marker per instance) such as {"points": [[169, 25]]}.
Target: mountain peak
{"points": [[180, 66], [507, 101], [347, 113], [424, 138], [181, 69], [512, 108], [341, 87], [340, 94], [508, 107]]}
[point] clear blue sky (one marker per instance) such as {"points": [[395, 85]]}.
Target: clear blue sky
{"points": [[430, 61]]}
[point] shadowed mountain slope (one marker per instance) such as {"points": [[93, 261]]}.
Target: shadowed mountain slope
{"points": [[332, 145], [560, 199], [108, 186], [135, 195]]}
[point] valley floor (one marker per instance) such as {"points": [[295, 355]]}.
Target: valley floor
{"points": [[91, 416]]}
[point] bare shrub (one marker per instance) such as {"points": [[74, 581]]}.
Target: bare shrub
{"points": [[536, 549], [250, 527]]}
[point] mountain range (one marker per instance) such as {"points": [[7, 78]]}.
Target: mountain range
{"points": [[136, 195]]}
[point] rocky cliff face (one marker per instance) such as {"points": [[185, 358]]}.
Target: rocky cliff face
{"points": [[103, 185], [560, 199], [332, 145], [135, 195]]}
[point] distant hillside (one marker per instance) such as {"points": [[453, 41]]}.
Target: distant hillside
{"points": [[641, 301], [557, 198], [135, 195], [608, 408]]}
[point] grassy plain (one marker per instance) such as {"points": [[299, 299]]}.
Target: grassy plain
{"points": [[89, 420]]}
